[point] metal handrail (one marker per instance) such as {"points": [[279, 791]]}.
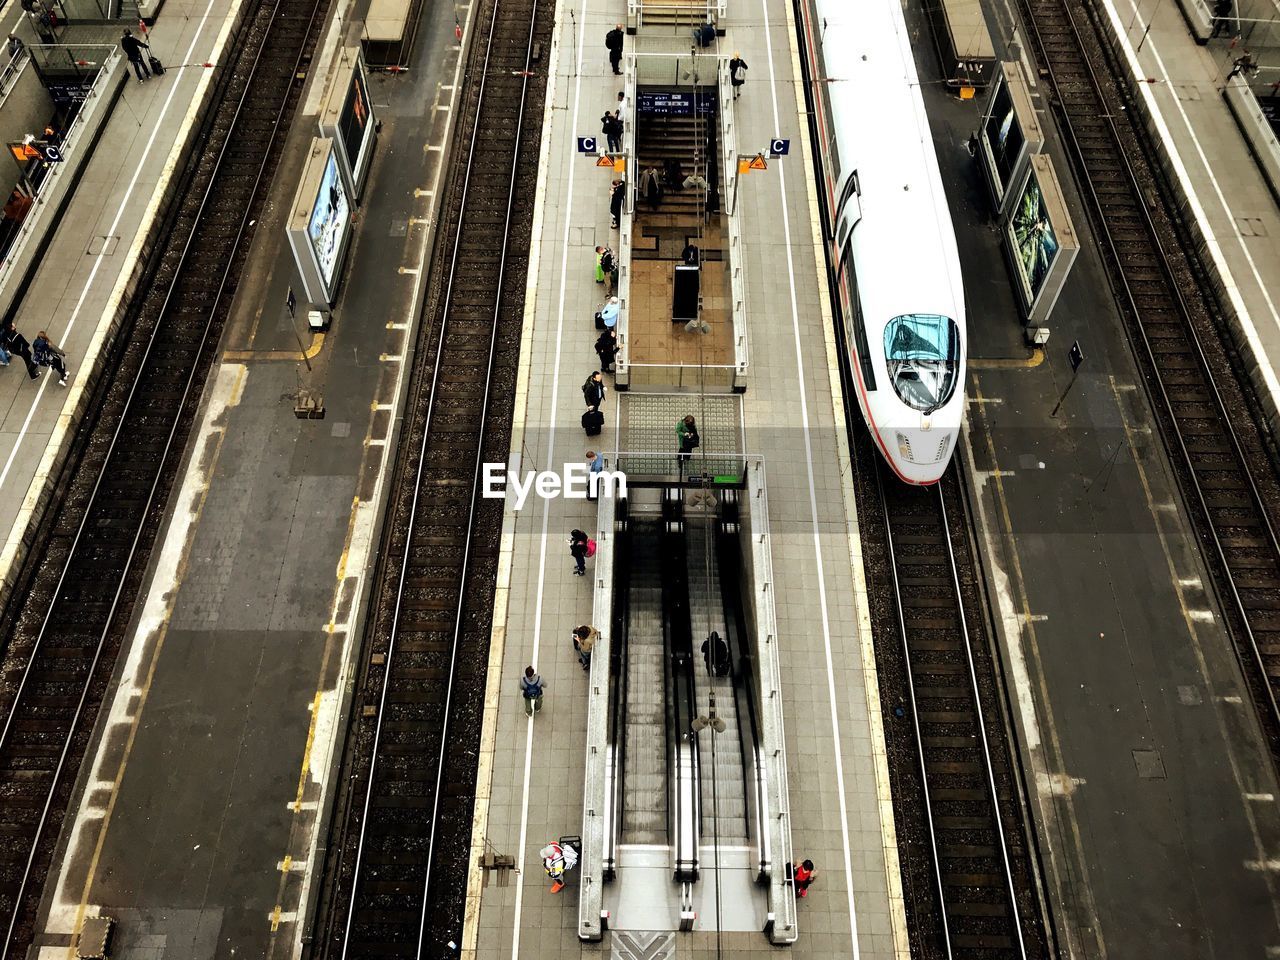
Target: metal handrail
{"points": [[773, 741]]}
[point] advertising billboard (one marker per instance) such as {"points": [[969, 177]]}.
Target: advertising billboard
{"points": [[330, 216], [348, 118], [355, 123], [319, 226], [1004, 137], [1035, 243], [1040, 238]]}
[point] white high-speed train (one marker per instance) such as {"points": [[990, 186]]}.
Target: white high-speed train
{"points": [[892, 241]]}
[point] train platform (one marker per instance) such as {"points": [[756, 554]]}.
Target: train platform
{"points": [[1152, 788], [531, 787], [90, 267], [194, 825], [1190, 102]]}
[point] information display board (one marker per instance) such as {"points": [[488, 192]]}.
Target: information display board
{"points": [[1040, 239], [319, 227], [1009, 133], [675, 103], [347, 118]]}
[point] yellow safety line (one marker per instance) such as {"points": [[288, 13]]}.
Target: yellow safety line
{"points": [[240, 356], [1009, 363]]}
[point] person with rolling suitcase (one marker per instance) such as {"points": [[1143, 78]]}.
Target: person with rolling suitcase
{"points": [[133, 48], [593, 422]]}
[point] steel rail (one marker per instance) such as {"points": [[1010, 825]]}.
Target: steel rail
{"points": [[418, 476], [972, 675], [1103, 227], [90, 674]]}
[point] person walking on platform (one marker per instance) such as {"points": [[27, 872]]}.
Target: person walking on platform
{"points": [[595, 464], [531, 689], [49, 354], [687, 437], [1221, 18], [705, 35], [607, 349], [557, 860], [737, 74], [581, 547], [133, 48], [690, 254], [613, 43], [611, 127], [14, 342], [804, 874], [1246, 64], [617, 197], [593, 390], [584, 638], [15, 46]]}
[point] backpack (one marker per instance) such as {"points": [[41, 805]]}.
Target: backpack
{"points": [[532, 688], [591, 547]]}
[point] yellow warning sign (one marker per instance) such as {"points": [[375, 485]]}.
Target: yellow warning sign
{"points": [[744, 166], [604, 161], [758, 163], [967, 91], [619, 164]]}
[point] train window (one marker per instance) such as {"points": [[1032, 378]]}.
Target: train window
{"points": [[856, 323], [922, 352], [846, 191]]}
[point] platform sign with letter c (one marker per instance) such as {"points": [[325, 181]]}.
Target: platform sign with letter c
{"points": [[778, 147], [587, 145], [52, 154]]}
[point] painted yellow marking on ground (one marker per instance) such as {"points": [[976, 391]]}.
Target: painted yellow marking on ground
{"points": [[241, 356], [390, 357], [408, 271], [1035, 359], [275, 919]]}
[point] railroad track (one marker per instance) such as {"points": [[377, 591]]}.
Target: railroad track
{"points": [[968, 872], [71, 606], [395, 879], [1196, 382]]}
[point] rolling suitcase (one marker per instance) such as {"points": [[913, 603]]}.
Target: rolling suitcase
{"points": [[593, 422], [157, 68]]}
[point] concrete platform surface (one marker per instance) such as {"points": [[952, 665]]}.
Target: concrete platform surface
{"points": [[531, 790]]}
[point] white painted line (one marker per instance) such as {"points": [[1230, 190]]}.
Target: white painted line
{"points": [[1203, 616], [411, 271], [1191, 582], [1232, 698], [390, 357], [97, 263], [802, 386], [1271, 865], [546, 503], [1261, 797]]}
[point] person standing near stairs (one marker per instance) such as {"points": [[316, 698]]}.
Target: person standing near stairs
{"points": [[613, 43]]}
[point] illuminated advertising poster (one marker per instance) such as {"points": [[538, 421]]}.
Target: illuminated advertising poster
{"points": [[328, 223], [1035, 242], [1004, 136], [355, 121]]}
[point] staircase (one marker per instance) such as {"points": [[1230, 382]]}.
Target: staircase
{"points": [[706, 611], [644, 779], [662, 233], [675, 13]]}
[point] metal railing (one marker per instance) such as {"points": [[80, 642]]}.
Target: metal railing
{"points": [[737, 275], [600, 775], [670, 13], [108, 60], [775, 797]]}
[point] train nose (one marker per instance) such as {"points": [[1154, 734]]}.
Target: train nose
{"points": [[923, 447]]}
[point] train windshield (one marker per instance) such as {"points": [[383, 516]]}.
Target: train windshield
{"points": [[923, 355]]}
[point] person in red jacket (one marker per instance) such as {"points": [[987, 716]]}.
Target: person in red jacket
{"points": [[804, 874]]}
